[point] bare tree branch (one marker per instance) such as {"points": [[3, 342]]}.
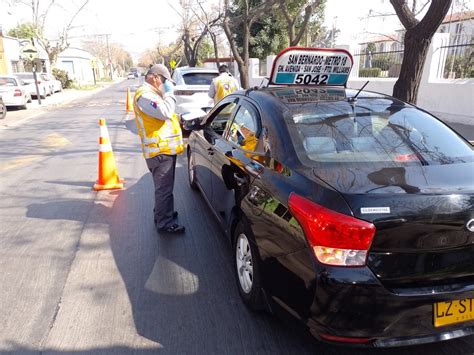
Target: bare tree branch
{"points": [[406, 17]]}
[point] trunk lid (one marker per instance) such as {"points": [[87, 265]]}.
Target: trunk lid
{"points": [[422, 216]]}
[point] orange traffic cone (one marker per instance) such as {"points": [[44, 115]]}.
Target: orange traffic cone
{"points": [[108, 176], [129, 102]]}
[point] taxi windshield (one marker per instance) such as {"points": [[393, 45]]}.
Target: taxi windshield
{"points": [[373, 130]]}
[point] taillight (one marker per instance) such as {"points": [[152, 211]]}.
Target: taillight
{"points": [[336, 239], [17, 92]]}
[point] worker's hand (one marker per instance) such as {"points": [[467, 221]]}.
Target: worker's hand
{"points": [[168, 87]]}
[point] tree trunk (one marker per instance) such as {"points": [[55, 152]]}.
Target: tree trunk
{"points": [[244, 74], [414, 55], [244, 67], [216, 50]]}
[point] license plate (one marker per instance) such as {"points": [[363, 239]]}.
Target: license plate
{"points": [[451, 312]]}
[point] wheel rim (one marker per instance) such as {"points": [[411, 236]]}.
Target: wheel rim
{"points": [[243, 257], [191, 168]]}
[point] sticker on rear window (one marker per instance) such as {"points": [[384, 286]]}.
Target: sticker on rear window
{"points": [[374, 210], [311, 66]]}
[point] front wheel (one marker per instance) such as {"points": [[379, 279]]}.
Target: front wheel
{"points": [[3, 111], [247, 268], [191, 171]]}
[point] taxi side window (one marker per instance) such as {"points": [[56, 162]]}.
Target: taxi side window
{"points": [[243, 130], [220, 120]]}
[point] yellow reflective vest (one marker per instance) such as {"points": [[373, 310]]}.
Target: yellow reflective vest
{"points": [[157, 136], [224, 85]]}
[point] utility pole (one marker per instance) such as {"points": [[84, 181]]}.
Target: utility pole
{"points": [[108, 51]]}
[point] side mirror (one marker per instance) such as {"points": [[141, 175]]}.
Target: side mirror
{"points": [[192, 120]]}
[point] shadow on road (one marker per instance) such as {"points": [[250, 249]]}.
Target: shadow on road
{"points": [[182, 289]]}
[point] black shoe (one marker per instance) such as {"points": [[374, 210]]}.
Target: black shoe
{"points": [[173, 229], [175, 215]]}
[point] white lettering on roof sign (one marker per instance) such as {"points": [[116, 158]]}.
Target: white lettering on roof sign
{"points": [[311, 66], [306, 95]]}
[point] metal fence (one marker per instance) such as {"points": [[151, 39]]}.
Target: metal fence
{"points": [[456, 60], [385, 64], [262, 67]]}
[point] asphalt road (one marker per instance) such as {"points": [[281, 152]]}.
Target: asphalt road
{"points": [[85, 272]]}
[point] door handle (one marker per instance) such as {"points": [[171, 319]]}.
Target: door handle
{"points": [[239, 180]]}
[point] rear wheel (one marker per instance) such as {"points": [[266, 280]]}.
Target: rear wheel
{"points": [[191, 171], [3, 110], [247, 268]]}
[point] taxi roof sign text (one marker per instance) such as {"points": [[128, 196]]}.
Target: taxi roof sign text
{"points": [[311, 66]]}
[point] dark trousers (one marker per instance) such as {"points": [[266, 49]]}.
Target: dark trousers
{"points": [[162, 167]]}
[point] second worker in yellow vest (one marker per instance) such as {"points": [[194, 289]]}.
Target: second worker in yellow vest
{"points": [[161, 140], [223, 85]]}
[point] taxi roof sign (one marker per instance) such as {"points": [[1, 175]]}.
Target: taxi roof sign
{"points": [[311, 66]]}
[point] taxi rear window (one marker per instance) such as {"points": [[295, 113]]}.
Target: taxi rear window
{"points": [[371, 131], [199, 78]]}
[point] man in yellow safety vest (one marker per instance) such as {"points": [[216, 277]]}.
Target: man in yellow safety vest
{"points": [[223, 85], [162, 139]]}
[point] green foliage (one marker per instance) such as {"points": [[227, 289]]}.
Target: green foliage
{"points": [[23, 31], [463, 65], [206, 50], [63, 77], [384, 61], [268, 35], [369, 72], [371, 47]]}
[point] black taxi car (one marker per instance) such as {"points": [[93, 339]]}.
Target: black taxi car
{"points": [[350, 211]]}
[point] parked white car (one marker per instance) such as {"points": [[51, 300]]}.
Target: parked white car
{"points": [[192, 87], [14, 91], [44, 90], [53, 83], [3, 109]]}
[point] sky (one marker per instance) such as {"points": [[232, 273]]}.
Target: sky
{"points": [[141, 24]]}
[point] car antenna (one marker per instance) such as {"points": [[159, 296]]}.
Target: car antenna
{"points": [[354, 98]]}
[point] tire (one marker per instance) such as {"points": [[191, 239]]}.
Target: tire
{"points": [[247, 267], [191, 172], [3, 111], [44, 95], [29, 99]]}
